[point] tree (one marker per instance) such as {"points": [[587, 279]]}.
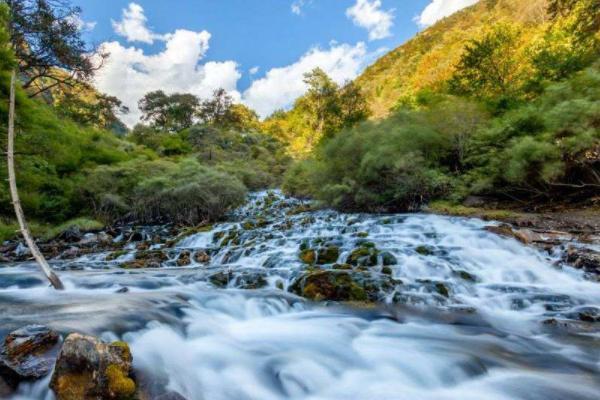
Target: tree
{"points": [[320, 104], [353, 105], [216, 111], [45, 38], [489, 67], [96, 109], [47, 42], [172, 113]]}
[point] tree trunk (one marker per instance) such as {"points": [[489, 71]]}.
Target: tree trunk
{"points": [[12, 181]]}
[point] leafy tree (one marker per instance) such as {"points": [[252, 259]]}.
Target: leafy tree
{"points": [[216, 111], [321, 103], [489, 67], [353, 105], [46, 38], [171, 113], [571, 42], [99, 110]]}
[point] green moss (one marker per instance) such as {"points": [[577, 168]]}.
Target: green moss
{"points": [[83, 224], [308, 256], [120, 385], [73, 386], [328, 255], [116, 254], [424, 250], [449, 208]]}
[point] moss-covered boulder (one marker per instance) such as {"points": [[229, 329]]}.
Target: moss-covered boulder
{"points": [[89, 369], [365, 256], [388, 259], [146, 259], [424, 250], [221, 279], [329, 285], [116, 254], [308, 256], [328, 255]]}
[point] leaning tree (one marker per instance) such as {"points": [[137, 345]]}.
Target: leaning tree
{"points": [[45, 38]]}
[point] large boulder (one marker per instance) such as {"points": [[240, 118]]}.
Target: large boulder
{"points": [[89, 369], [27, 354]]}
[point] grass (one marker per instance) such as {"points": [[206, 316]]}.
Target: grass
{"points": [[83, 224], [449, 208]]}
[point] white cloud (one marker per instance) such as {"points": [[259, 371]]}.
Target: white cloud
{"points": [[369, 15], [85, 26], [129, 73], [254, 70], [298, 6], [281, 86], [439, 9], [133, 25]]}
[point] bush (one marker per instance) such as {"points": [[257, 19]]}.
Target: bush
{"points": [[163, 191]]}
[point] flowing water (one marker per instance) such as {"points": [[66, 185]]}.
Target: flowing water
{"points": [[506, 325]]}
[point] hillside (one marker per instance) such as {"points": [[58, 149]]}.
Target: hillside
{"points": [[429, 59]]}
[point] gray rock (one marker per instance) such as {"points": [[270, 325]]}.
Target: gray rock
{"points": [[27, 354]]}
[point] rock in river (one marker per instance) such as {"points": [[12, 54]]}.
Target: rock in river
{"points": [[89, 369], [27, 354]]}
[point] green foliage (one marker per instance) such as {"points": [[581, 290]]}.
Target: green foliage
{"points": [[546, 147], [171, 113], [489, 67], [317, 116], [157, 191]]}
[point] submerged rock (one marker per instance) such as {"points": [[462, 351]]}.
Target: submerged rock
{"points": [[329, 285], [184, 258], [27, 354], [89, 369], [365, 256], [146, 259], [328, 255]]}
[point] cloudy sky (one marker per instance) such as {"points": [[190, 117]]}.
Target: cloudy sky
{"points": [[258, 50]]}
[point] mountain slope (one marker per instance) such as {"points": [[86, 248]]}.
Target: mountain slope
{"points": [[428, 60]]}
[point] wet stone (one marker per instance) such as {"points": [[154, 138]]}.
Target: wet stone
{"points": [[28, 354], [89, 369]]}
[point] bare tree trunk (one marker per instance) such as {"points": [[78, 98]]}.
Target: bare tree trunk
{"points": [[12, 180]]}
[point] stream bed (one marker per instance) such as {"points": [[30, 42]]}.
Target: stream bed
{"points": [[451, 311]]}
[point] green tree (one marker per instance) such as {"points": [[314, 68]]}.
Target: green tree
{"points": [[489, 67], [171, 113], [47, 42]]}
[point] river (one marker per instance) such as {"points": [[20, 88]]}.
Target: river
{"points": [[506, 325]]}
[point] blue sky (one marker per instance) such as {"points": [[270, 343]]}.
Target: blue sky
{"points": [[256, 49]]}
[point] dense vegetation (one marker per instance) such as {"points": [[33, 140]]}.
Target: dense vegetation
{"points": [[189, 163], [517, 119], [501, 100]]}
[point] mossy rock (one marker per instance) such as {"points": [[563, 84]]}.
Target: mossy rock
{"points": [[116, 254], [425, 250], [363, 256], [388, 258], [328, 255], [146, 259], [329, 285], [344, 267], [464, 275], [221, 279], [387, 271], [362, 235], [442, 289], [308, 256]]}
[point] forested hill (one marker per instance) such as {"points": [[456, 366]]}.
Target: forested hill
{"points": [[429, 59]]}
